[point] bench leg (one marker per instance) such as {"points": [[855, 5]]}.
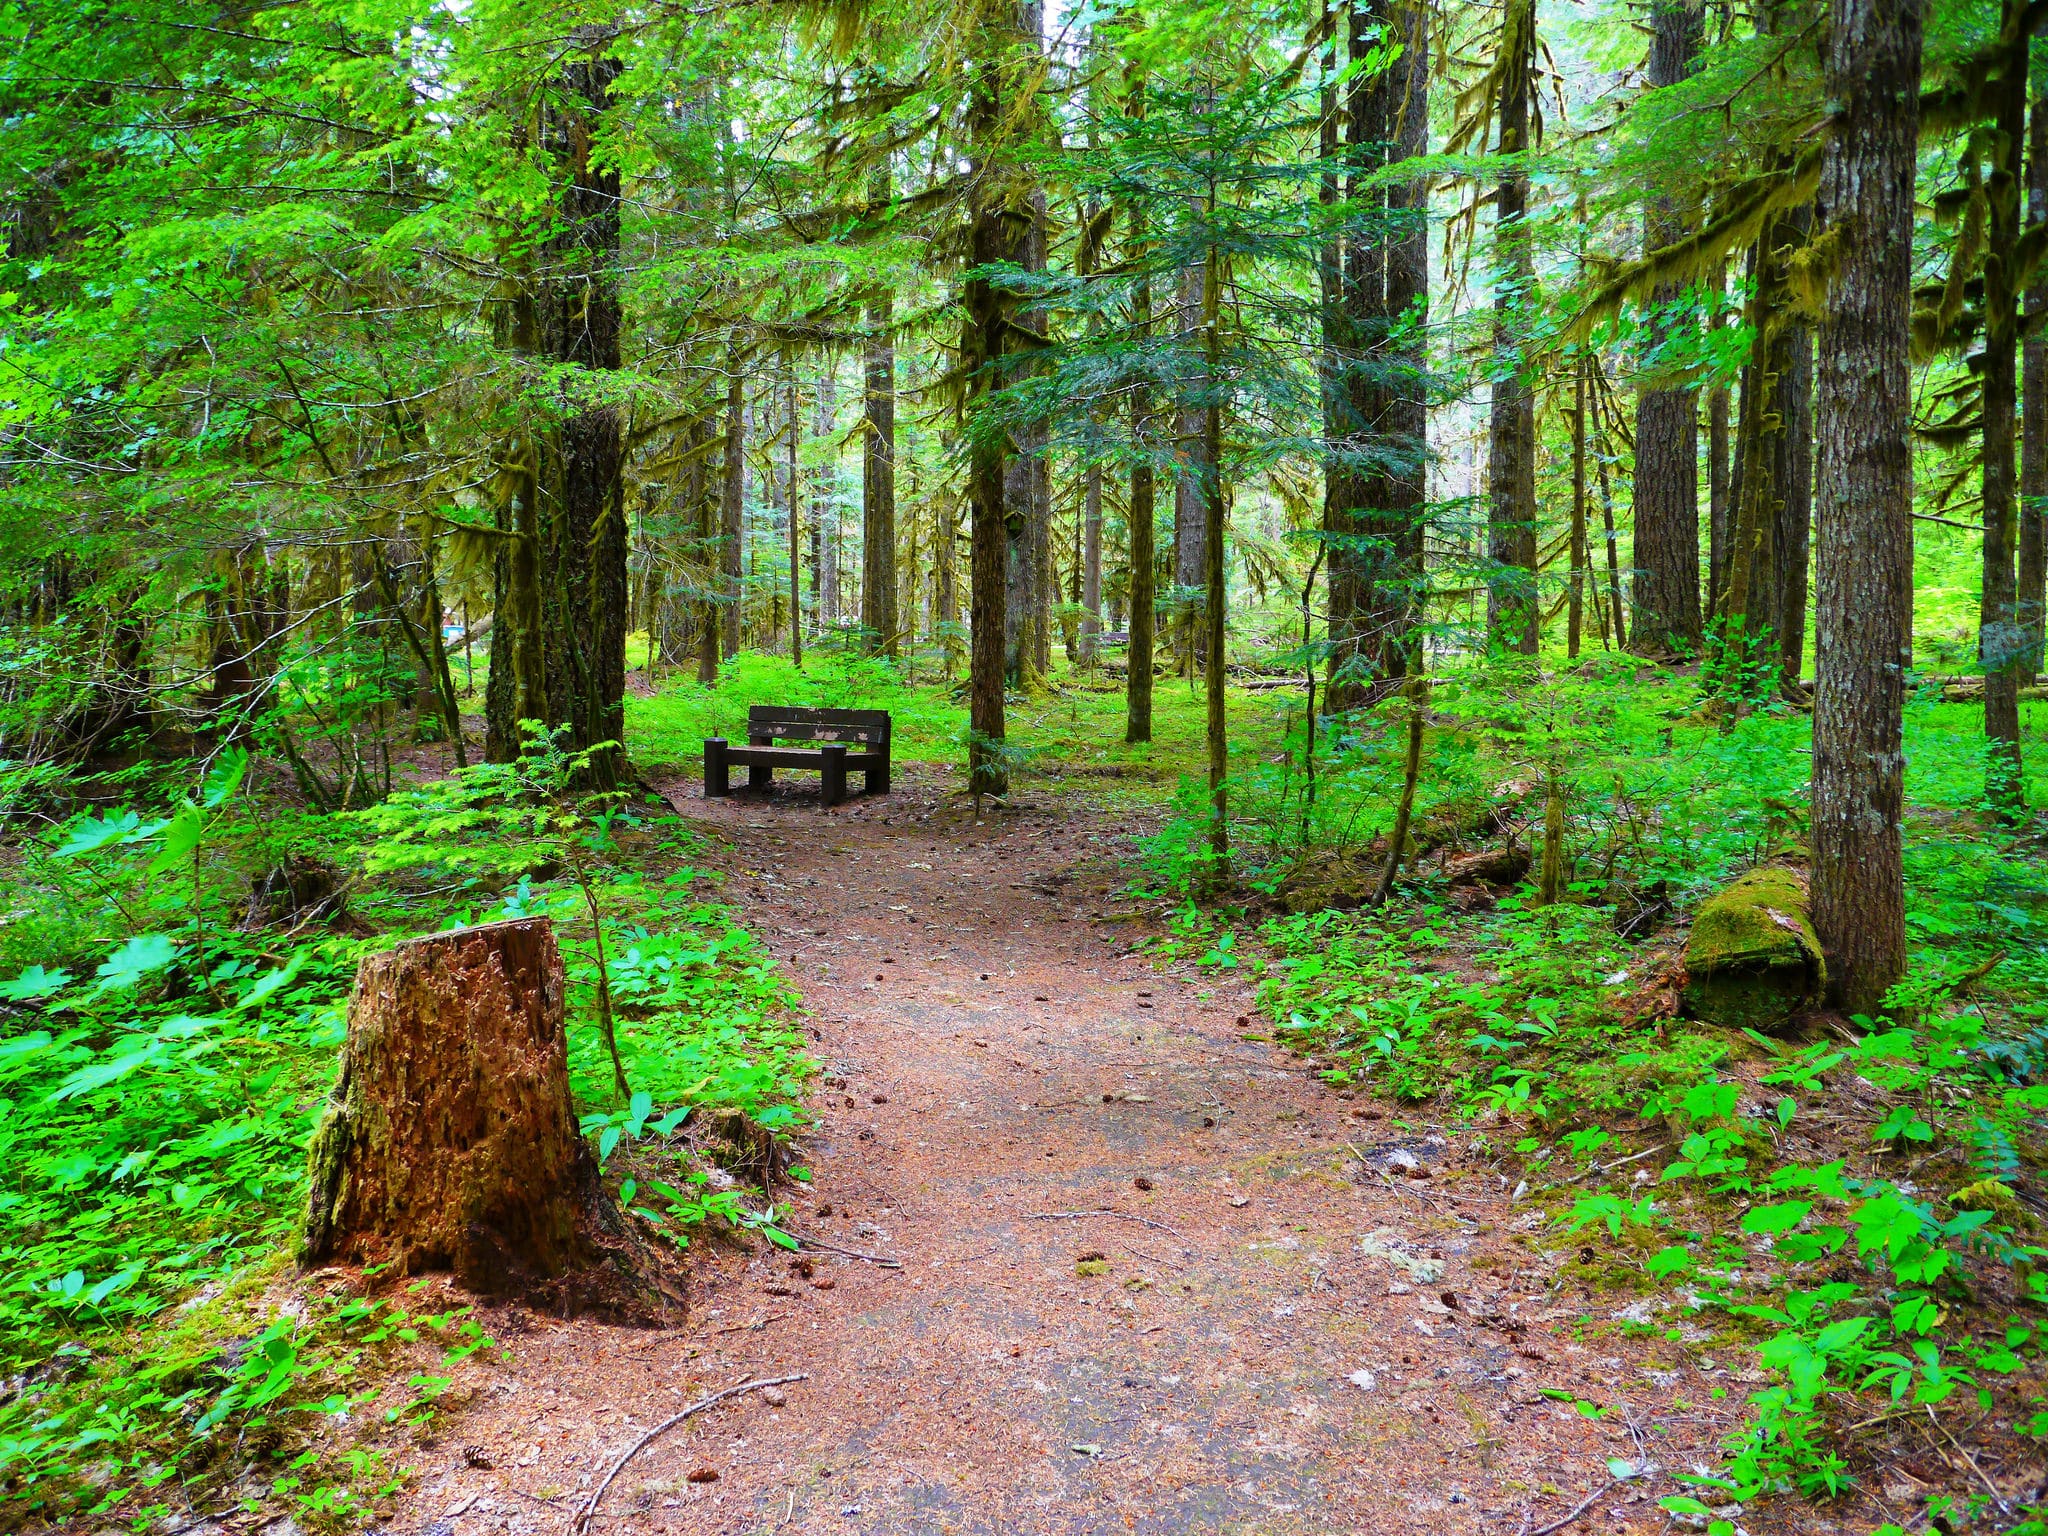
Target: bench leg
{"points": [[759, 775], [877, 779], [717, 772], [834, 768]]}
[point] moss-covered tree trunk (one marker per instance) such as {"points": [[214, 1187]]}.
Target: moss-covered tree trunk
{"points": [[563, 601], [450, 1141], [998, 231], [878, 472], [2033, 533], [2001, 643], [1143, 545], [1513, 610]]}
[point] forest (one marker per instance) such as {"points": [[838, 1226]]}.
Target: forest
{"points": [[1436, 614]]}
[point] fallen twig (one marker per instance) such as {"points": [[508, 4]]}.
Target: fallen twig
{"points": [[583, 1516], [851, 1253], [1590, 1500], [1622, 1162], [1143, 1221], [1971, 1462], [755, 1326]]}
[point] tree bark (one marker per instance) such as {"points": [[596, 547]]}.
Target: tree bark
{"points": [[998, 232], [2031, 601], [1355, 328], [1865, 491], [796, 588], [1718, 531], [1213, 594], [1190, 498], [824, 517], [878, 477], [450, 1141], [1086, 261], [732, 504], [1792, 472], [1512, 606], [1026, 530], [1144, 553], [1575, 617], [1667, 545]]}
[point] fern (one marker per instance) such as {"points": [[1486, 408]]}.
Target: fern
{"points": [[2024, 1060], [1992, 1153]]}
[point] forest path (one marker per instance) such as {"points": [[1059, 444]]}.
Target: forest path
{"points": [[996, 1061]]}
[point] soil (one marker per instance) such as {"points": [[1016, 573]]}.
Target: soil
{"points": [[1156, 1276]]}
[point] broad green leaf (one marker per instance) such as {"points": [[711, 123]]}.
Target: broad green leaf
{"points": [[223, 778], [34, 984], [94, 833], [141, 956], [1773, 1219], [180, 837]]}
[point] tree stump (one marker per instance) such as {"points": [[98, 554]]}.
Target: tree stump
{"points": [[450, 1141]]}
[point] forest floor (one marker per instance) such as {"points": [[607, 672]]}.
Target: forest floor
{"points": [[1155, 1276]]}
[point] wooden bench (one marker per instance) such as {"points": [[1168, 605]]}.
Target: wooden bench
{"points": [[833, 729]]}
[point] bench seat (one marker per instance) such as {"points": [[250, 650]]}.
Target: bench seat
{"points": [[798, 757], [845, 738]]}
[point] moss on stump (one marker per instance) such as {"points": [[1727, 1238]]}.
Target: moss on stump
{"points": [[1753, 960]]}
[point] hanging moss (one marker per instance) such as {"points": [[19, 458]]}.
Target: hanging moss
{"points": [[1753, 960]]}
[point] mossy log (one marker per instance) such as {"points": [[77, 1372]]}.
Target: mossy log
{"points": [[450, 1141], [1753, 960]]}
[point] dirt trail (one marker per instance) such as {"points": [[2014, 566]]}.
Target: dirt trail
{"points": [[996, 1063]]}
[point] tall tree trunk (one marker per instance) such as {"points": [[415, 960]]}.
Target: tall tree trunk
{"points": [[945, 577], [2032, 601], [796, 588], [998, 233], [710, 497], [732, 502], [1086, 261], [1339, 497], [1025, 532], [1575, 618], [1144, 554], [1865, 498], [516, 689], [1512, 604], [1213, 594], [2001, 644], [1357, 330], [1667, 547], [1399, 599], [582, 545], [1190, 497], [824, 516], [1718, 530], [878, 473], [1792, 471]]}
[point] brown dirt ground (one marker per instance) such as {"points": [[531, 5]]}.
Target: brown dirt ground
{"points": [[997, 1061]]}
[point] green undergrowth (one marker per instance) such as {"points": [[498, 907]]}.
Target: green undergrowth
{"points": [[1858, 1206], [163, 1053]]}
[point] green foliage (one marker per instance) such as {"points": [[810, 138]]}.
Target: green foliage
{"points": [[156, 1094]]}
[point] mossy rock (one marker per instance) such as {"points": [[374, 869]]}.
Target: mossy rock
{"points": [[1753, 960]]}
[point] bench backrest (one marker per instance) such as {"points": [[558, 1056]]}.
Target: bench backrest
{"points": [[769, 723]]}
